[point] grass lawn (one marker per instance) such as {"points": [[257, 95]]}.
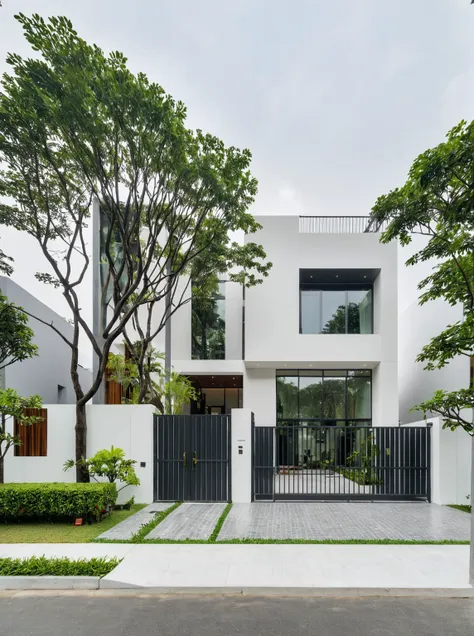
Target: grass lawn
{"points": [[462, 507], [26, 532]]}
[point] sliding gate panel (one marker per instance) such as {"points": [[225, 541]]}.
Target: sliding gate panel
{"points": [[192, 457], [305, 462]]}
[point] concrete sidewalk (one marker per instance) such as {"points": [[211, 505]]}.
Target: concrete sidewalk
{"points": [[261, 568]]}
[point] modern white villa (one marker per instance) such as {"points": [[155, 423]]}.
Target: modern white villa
{"points": [[307, 364], [322, 323]]}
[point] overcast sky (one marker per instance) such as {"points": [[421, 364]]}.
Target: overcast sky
{"points": [[334, 98]]}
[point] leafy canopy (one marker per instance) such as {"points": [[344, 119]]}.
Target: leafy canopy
{"points": [[437, 201]]}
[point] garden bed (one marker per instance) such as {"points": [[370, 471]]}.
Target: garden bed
{"points": [[50, 501], [31, 531], [43, 566]]}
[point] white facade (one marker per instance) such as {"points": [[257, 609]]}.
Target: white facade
{"points": [[47, 374], [272, 337], [272, 317], [417, 325]]}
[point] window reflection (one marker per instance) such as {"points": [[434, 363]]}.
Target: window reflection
{"points": [[336, 310], [208, 326], [329, 397]]}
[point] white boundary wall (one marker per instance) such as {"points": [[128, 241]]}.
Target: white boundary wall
{"points": [[125, 426], [450, 463]]}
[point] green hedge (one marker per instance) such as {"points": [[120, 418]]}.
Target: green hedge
{"points": [[49, 501], [41, 566]]}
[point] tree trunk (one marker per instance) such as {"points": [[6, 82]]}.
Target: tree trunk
{"points": [[168, 338], [82, 475], [2, 468]]}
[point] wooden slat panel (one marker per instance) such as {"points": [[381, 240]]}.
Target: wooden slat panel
{"points": [[33, 436]]}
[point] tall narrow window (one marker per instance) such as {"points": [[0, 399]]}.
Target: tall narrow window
{"points": [[208, 326]]}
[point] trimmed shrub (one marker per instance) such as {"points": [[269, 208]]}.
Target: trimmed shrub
{"points": [[49, 501], [42, 566]]}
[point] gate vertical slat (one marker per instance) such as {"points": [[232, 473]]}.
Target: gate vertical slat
{"points": [[192, 456], [393, 462]]}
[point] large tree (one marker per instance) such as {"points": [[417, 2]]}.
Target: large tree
{"points": [[437, 201], [78, 125]]}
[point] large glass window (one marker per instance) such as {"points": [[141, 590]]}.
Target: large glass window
{"points": [[208, 326], [329, 397], [336, 309]]}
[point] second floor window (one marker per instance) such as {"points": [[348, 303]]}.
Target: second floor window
{"points": [[208, 326], [336, 309]]}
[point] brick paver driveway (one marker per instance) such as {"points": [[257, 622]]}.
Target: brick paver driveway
{"points": [[340, 521]]}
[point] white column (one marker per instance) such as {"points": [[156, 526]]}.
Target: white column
{"points": [[241, 455]]}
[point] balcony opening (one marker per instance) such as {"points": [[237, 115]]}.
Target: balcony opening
{"points": [[336, 301]]}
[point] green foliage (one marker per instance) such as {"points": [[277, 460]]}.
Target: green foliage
{"points": [[62, 531], [43, 566], [437, 202], [362, 462], [77, 125], [461, 507], [16, 340], [160, 392], [111, 464], [220, 523], [208, 326], [13, 405], [57, 500], [125, 373]]}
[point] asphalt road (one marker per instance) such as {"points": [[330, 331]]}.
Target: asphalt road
{"points": [[183, 616]]}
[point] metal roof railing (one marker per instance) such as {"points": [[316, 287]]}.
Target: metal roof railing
{"points": [[339, 225]]}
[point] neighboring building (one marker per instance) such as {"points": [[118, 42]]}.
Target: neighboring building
{"points": [[315, 342], [417, 325], [47, 374]]}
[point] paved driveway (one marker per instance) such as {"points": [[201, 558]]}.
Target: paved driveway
{"points": [[340, 521]]}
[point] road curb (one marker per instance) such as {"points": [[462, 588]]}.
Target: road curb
{"points": [[308, 592], [118, 589], [49, 582]]}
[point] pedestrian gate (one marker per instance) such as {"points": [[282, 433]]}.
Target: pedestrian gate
{"points": [[192, 457], [306, 462]]}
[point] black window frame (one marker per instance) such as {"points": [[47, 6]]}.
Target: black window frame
{"points": [[216, 297], [322, 421], [345, 287]]}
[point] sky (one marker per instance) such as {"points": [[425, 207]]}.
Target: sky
{"points": [[333, 98]]}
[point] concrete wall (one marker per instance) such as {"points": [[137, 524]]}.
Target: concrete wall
{"points": [[260, 395], [417, 325], [127, 427], [241, 456], [450, 463], [48, 371]]}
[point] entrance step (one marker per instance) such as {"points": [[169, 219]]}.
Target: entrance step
{"points": [[189, 521]]}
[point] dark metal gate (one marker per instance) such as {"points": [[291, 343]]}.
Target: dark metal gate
{"points": [[305, 462], [192, 457]]}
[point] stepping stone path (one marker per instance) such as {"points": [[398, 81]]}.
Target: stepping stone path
{"points": [[189, 521], [125, 530]]}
